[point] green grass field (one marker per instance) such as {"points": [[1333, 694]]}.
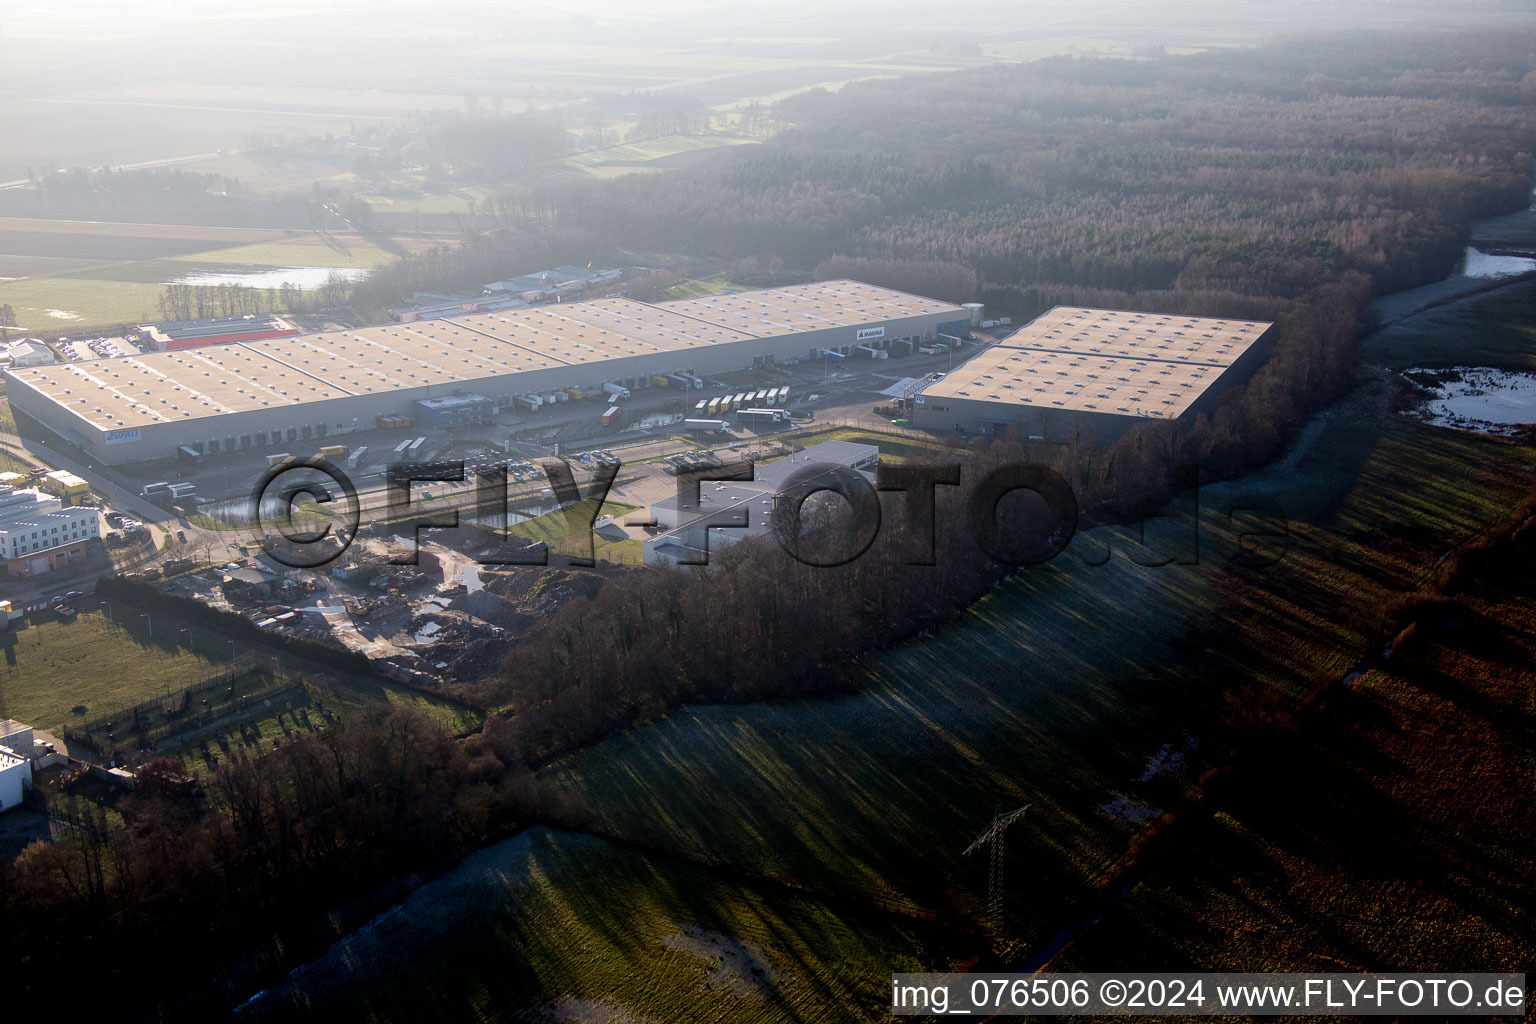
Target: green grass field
{"points": [[705, 286], [896, 446], [311, 252], [616, 935], [566, 531], [1433, 749], [52, 666], [1014, 703], [1490, 331], [456, 201], [7, 418], [47, 304], [341, 697], [650, 154], [30, 266], [57, 294]]}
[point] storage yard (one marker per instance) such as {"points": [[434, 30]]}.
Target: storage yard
{"points": [[258, 394]]}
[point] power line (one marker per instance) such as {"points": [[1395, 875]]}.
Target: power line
{"points": [[994, 837]]}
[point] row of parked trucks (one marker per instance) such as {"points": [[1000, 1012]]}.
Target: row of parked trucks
{"points": [[533, 402], [612, 392], [713, 407]]}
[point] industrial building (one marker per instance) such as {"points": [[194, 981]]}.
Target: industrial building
{"points": [[691, 532], [281, 391], [179, 335], [552, 284], [27, 352], [21, 755], [460, 409], [1093, 374], [64, 485], [15, 778], [443, 307], [39, 534]]}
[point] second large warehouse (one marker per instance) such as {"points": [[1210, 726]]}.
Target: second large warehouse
{"points": [[1093, 374], [255, 394]]}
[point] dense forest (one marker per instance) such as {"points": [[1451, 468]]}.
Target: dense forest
{"points": [[1221, 178], [1289, 183], [1256, 174]]}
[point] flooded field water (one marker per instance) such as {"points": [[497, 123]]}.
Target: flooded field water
{"points": [[307, 278], [1477, 398]]}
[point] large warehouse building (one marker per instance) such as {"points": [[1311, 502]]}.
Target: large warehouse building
{"points": [[1093, 374], [268, 392]]}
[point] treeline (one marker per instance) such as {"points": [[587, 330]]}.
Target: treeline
{"points": [[1267, 173], [952, 282], [196, 301], [149, 597], [471, 265], [142, 181], [179, 878], [659, 114]]}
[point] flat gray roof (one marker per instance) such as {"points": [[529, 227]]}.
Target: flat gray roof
{"points": [[1102, 360], [769, 476], [169, 387], [808, 307]]}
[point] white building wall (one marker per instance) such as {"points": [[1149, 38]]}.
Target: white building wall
{"points": [[29, 526], [15, 774]]}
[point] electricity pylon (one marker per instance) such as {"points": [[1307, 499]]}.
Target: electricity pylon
{"points": [[994, 836]]}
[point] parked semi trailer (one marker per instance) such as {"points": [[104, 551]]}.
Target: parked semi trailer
{"points": [[760, 417]]}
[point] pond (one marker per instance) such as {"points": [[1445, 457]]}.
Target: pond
{"points": [[1477, 263], [1477, 398], [307, 278]]}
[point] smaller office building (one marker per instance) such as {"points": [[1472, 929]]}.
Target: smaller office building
{"points": [[729, 510], [39, 534], [460, 409], [27, 352]]}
